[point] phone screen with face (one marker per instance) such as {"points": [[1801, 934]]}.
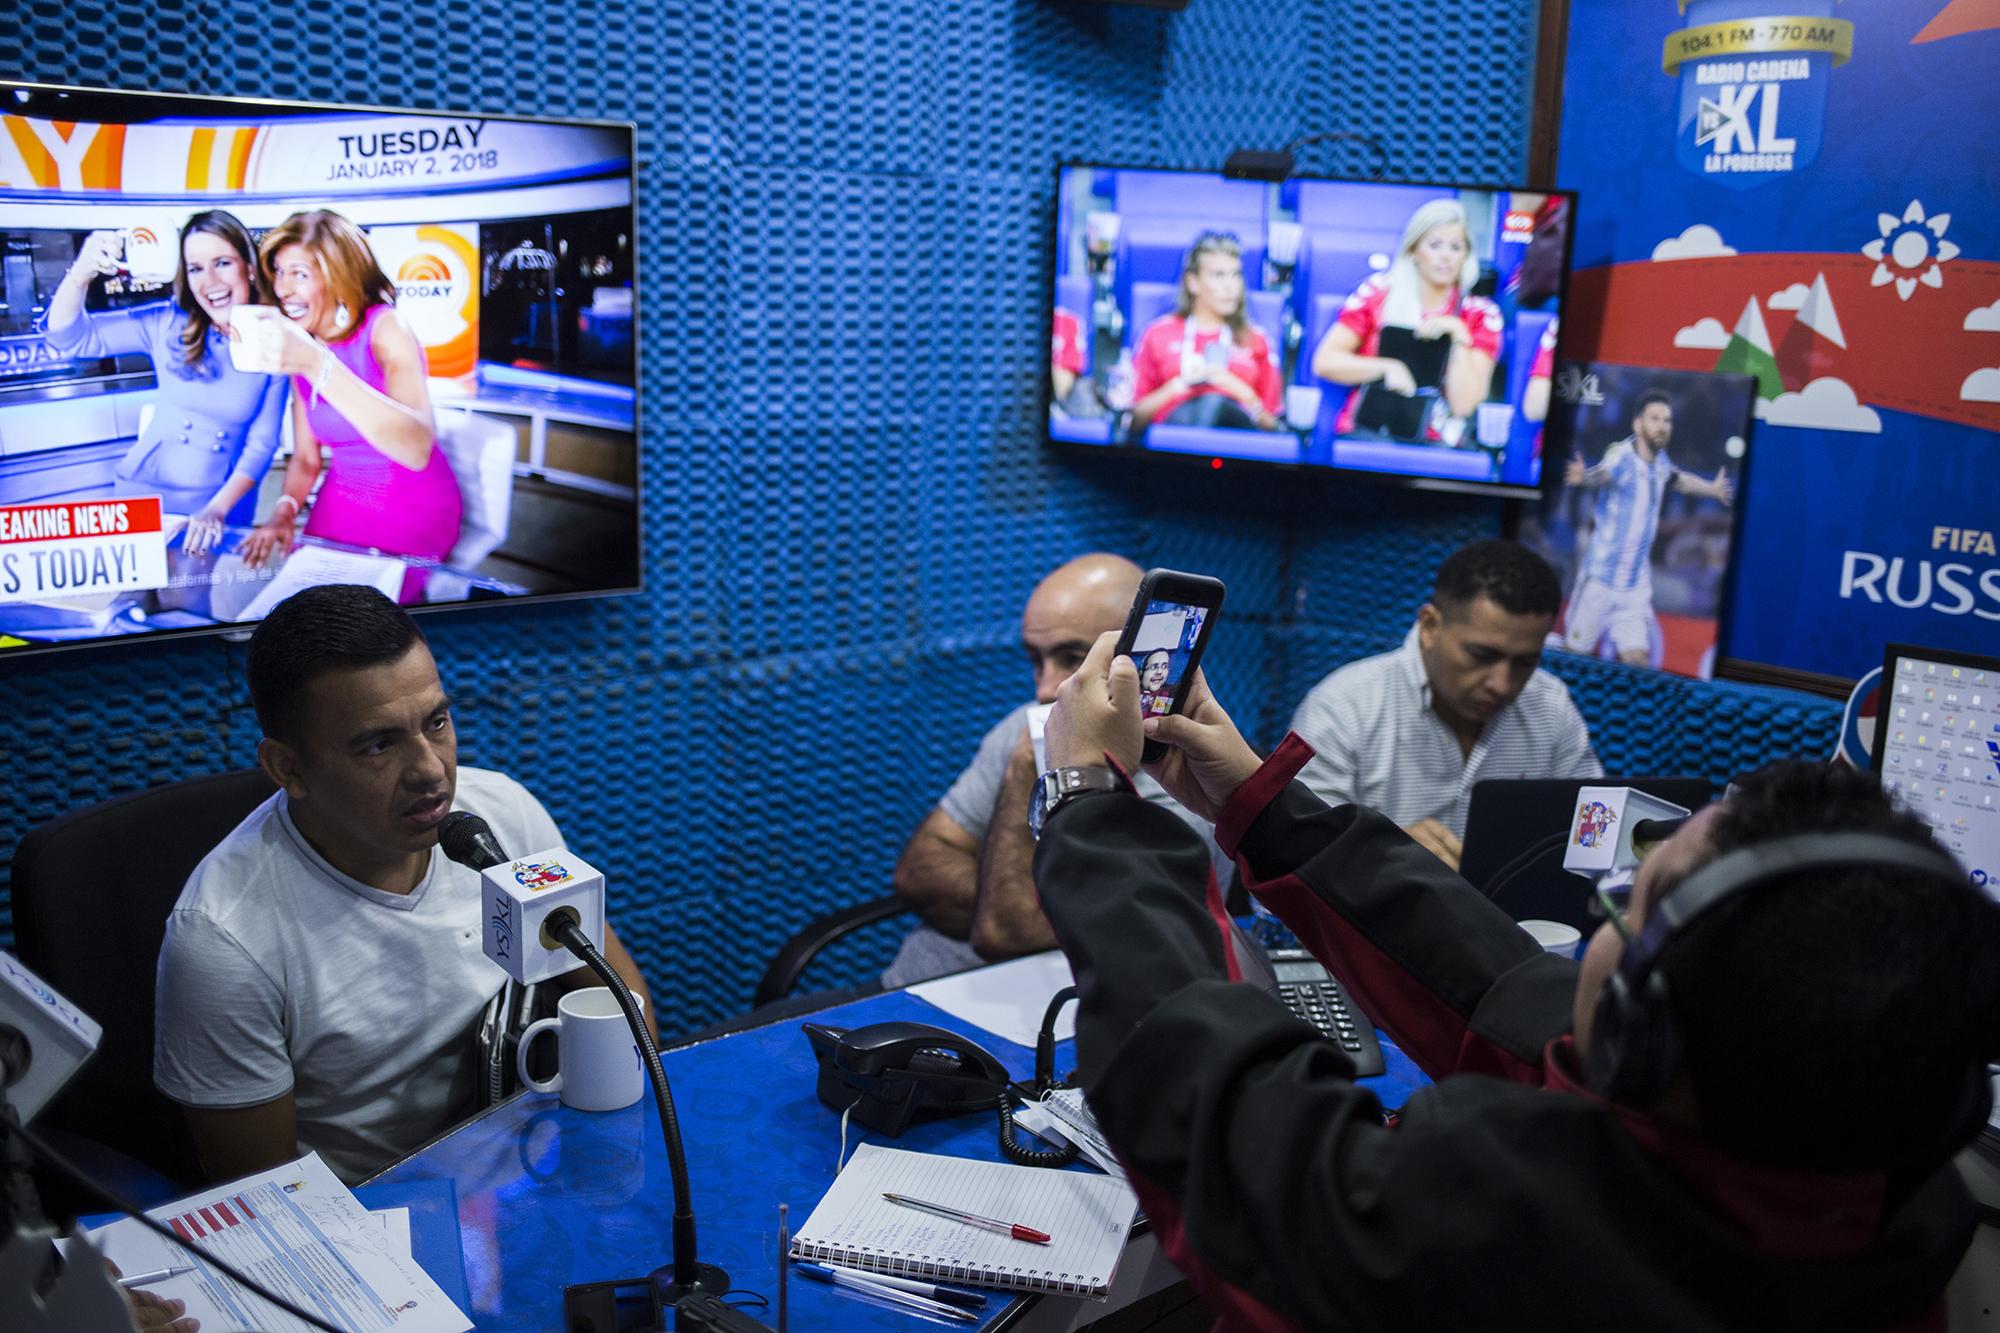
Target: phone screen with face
{"points": [[1165, 635]]}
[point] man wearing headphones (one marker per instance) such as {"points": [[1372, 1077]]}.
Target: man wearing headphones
{"points": [[1737, 1112]]}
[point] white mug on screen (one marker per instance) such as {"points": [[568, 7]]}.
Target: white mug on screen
{"points": [[1302, 405], [255, 341], [597, 1062]]}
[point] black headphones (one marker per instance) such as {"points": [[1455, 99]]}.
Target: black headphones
{"points": [[1634, 1047]]}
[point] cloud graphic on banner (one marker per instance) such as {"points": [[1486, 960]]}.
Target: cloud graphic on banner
{"points": [[1705, 332], [1986, 319], [1700, 241], [1982, 386], [1824, 404], [1791, 298], [1910, 249]]}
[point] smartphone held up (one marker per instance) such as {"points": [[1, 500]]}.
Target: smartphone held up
{"points": [[1165, 635]]}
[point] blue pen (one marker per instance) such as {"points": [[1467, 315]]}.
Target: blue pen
{"points": [[972, 1300], [868, 1287]]}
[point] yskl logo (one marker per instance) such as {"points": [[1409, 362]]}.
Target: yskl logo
{"points": [[1576, 385]]}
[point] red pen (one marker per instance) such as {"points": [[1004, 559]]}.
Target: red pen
{"points": [[1014, 1229]]}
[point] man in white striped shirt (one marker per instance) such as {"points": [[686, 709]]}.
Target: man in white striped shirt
{"points": [[1614, 583], [1464, 699]]}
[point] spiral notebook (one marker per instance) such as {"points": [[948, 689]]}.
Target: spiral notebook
{"points": [[1087, 1217]]}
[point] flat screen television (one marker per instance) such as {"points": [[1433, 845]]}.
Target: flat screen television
{"points": [[1405, 333], [246, 347]]}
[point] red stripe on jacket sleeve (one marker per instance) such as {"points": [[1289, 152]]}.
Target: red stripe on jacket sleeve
{"points": [[1259, 790], [1234, 1307], [1427, 1029]]}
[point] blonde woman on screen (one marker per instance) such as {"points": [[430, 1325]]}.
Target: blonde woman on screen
{"points": [[1427, 290]]}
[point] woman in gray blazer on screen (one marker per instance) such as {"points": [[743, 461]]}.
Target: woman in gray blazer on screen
{"points": [[214, 428]]}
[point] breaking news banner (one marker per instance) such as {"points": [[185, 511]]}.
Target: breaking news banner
{"points": [[82, 549], [1778, 196]]}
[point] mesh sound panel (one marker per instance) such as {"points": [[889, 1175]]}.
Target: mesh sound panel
{"points": [[1643, 723], [842, 216]]}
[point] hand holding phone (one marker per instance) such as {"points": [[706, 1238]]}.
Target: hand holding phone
{"points": [[1165, 634], [1206, 757]]}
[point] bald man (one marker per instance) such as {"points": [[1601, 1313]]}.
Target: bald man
{"points": [[966, 871]]}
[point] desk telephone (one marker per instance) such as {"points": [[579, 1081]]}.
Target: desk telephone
{"points": [[893, 1073], [887, 1075], [1312, 992]]}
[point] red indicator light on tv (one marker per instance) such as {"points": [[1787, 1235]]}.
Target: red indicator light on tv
{"points": [[1215, 462]]}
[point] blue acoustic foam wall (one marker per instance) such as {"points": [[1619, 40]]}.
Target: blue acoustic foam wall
{"points": [[842, 221]]}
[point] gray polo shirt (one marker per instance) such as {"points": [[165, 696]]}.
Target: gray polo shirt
{"points": [[927, 952], [1381, 745]]}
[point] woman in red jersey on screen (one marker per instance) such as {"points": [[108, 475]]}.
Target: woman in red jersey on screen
{"points": [[1206, 364], [1425, 293], [360, 408]]}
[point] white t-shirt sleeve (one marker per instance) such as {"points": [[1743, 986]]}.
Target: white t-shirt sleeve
{"points": [[219, 1036], [534, 829]]}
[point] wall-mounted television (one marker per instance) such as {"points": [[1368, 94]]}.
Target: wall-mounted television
{"points": [[249, 346], [1401, 332]]}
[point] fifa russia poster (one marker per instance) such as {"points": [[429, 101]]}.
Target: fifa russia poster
{"points": [[1808, 192]]}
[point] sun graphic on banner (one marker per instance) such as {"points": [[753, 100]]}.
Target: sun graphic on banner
{"points": [[1910, 249]]}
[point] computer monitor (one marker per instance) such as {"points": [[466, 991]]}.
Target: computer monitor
{"points": [[1937, 750]]}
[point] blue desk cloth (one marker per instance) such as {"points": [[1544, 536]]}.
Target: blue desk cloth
{"points": [[549, 1196]]}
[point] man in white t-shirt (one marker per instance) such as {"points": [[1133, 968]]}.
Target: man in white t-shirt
{"points": [[322, 970], [966, 870]]}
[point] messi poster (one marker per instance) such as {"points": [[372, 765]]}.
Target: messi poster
{"points": [[1807, 194]]}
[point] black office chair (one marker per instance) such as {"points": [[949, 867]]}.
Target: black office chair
{"points": [[92, 890], [797, 953], [773, 1001]]}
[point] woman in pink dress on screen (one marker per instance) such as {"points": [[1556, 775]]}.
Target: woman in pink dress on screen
{"points": [[360, 408]]}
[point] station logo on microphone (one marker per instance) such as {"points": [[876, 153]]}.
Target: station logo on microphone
{"points": [[82, 548], [538, 875], [1593, 821]]}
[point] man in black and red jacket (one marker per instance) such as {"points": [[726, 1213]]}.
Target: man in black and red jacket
{"points": [[1796, 1174]]}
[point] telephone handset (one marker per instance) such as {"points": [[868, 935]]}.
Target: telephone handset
{"points": [[892, 1073], [888, 1074]]}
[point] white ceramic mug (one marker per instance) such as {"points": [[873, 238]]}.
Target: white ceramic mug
{"points": [[253, 340], [597, 1062]]}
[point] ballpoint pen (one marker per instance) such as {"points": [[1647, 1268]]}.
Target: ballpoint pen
{"points": [[157, 1275], [784, 1252], [1014, 1229], [971, 1300], [868, 1287]]}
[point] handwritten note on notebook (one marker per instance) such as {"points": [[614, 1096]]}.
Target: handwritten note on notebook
{"points": [[1087, 1217]]}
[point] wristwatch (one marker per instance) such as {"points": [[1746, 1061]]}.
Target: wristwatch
{"points": [[1060, 784]]}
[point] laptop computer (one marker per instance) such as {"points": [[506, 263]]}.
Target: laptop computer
{"points": [[1509, 816]]}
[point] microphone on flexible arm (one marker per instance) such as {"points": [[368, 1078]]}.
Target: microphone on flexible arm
{"points": [[538, 912], [1613, 829]]}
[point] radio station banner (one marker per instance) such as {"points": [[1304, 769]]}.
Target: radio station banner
{"points": [[56, 552], [1804, 193], [314, 153]]}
